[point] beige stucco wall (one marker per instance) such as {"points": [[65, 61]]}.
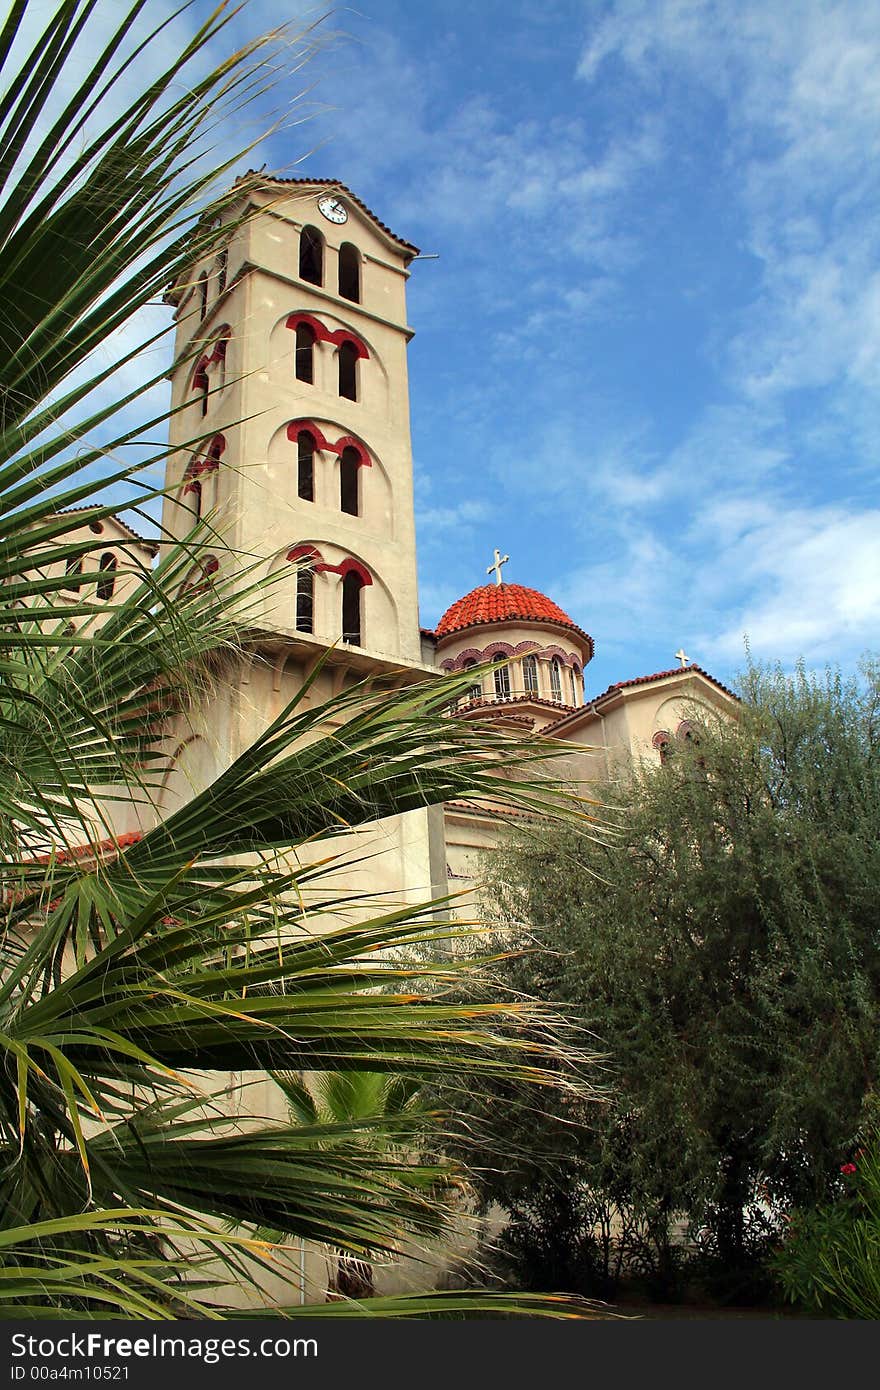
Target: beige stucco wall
{"points": [[258, 511]]}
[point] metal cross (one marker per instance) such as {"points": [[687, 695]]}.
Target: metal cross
{"points": [[680, 656], [496, 568]]}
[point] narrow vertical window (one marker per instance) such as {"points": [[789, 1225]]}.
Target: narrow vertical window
{"points": [[349, 478], [348, 357], [311, 256], [476, 690], [222, 267], [305, 475], [305, 599], [107, 581], [349, 272], [576, 686], [502, 679], [203, 295], [195, 489], [556, 679], [530, 675], [305, 352], [352, 586]]}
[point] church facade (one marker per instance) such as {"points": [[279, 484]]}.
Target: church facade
{"points": [[291, 371]]}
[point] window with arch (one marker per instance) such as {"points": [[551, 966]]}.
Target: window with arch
{"points": [[311, 256], [349, 481], [194, 490], [348, 356], [530, 675], [305, 353], [501, 677], [305, 598], [352, 606], [577, 689], [107, 581], [350, 272], [556, 679], [475, 691], [211, 364], [662, 741], [305, 467]]}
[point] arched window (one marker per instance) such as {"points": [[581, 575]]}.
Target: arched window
{"points": [[556, 679], [305, 474], [530, 675], [350, 272], [662, 741], [194, 490], [222, 267], [305, 599], [348, 356], [577, 688], [475, 692], [352, 585], [311, 256], [305, 353], [107, 582], [73, 572], [501, 676], [349, 471], [203, 294]]}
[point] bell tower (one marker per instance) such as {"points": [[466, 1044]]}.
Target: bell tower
{"points": [[291, 363]]}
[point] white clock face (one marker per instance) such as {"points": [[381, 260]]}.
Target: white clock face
{"points": [[332, 209]]}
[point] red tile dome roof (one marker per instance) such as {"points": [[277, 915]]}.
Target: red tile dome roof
{"points": [[505, 603]]}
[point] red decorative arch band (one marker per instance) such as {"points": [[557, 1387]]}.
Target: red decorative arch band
{"points": [[207, 359], [348, 441], [505, 649], [324, 335], [346, 566], [208, 462]]}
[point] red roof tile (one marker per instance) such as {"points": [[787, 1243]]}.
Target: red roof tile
{"points": [[505, 603]]}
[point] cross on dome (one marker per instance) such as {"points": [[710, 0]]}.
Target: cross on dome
{"points": [[496, 568], [681, 656]]}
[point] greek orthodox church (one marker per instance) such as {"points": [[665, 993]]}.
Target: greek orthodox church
{"points": [[291, 367]]}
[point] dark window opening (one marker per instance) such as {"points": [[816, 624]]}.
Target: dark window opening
{"points": [[475, 692], [96, 527], [530, 675], [349, 470], [305, 478], [107, 582], [305, 600], [555, 680], [305, 352], [311, 256], [73, 572], [194, 490], [203, 295], [222, 267], [348, 371], [502, 679], [352, 585], [577, 684], [349, 272]]}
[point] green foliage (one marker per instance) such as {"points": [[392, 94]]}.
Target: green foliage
{"points": [[829, 1263], [722, 947], [130, 971]]}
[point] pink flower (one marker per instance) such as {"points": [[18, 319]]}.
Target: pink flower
{"points": [[848, 1168]]}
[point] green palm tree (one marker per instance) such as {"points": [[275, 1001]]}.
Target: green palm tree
{"points": [[129, 969]]}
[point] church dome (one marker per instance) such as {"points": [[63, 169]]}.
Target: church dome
{"points": [[505, 603]]}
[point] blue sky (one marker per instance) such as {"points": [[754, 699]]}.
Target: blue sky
{"points": [[647, 359]]}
